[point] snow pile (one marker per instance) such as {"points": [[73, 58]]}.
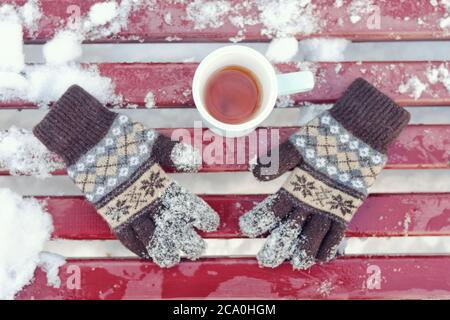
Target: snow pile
{"points": [[12, 59], [50, 264], [25, 227], [149, 100], [323, 49], [30, 14], [12, 85], [282, 49], [414, 87], [47, 83], [284, 18], [358, 9], [11, 56], [42, 84], [207, 14], [22, 153], [440, 74], [106, 19], [64, 47], [103, 13], [27, 15]]}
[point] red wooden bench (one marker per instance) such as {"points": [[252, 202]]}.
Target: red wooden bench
{"points": [[422, 209]]}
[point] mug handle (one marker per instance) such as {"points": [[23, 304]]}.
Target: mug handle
{"points": [[294, 82]]}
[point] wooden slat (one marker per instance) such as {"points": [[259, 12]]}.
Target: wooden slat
{"points": [[348, 278], [398, 20], [418, 147], [171, 82], [380, 215]]}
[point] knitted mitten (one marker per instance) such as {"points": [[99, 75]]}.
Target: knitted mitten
{"points": [[116, 164], [336, 158]]}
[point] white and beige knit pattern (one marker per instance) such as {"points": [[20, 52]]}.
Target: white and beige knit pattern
{"points": [[330, 149], [319, 195]]}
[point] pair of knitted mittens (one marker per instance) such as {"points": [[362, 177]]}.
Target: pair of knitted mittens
{"points": [[116, 164], [335, 159]]}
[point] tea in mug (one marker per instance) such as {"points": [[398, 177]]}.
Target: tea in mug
{"points": [[232, 95]]}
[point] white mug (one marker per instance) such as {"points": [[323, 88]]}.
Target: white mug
{"points": [[272, 85]]}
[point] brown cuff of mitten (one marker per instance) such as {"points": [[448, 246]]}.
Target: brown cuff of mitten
{"points": [[76, 123], [370, 115]]}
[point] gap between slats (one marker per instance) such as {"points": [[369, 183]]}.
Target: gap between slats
{"points": [[175, 52], [244, 247], [184, 118]]}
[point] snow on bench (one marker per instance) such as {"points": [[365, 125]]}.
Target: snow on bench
{"points": [[236, 20]]}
